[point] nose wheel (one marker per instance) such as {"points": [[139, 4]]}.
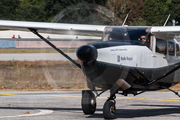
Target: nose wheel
{"points": [[88, 102], [109, 109]]}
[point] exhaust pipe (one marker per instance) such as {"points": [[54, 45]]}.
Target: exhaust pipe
{"points": [[123, 84]]}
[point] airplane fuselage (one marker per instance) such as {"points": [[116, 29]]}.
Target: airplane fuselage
{"points": [[131, 61]]}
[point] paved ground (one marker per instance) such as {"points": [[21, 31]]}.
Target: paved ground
{"points": [[62, 105], [35, 56]]}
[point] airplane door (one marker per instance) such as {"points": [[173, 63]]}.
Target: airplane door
{"points": [[160, 64], [147, 57]]}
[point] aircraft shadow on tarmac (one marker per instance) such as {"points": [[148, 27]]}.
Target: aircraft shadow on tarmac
{"points": [[120, 113], [157, 110]]}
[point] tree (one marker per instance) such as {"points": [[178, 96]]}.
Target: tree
{"points": [[31, 13], [53, 7], [155, 12], [77, 11], [174, 10], [8, 9], [31, 10], [123, 7], [32, 2]]}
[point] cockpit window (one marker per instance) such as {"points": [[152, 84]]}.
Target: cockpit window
{"points": [[124, 33], [165, 47]]}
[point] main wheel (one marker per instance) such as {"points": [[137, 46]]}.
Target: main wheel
{"points": [[109, 110], [88, 102]]}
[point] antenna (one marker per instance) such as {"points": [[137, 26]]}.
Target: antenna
{"points": [[125, 19], [167, 19]]}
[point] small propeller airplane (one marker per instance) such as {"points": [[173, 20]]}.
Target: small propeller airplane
{"points": [[127, 60]]}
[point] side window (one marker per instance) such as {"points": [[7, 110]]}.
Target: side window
{"points": [[171, 48], [177, 50], [161, 46]]}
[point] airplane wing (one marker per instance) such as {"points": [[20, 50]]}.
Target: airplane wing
{"points": [[166, 32], [56, 28]]}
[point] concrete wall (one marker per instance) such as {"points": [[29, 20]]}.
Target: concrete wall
{"points": [[7, 44], [59, 44], [29, 40], [38, 43], [10, 33]]}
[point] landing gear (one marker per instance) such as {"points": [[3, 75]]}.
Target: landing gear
{"points": [[109, 110], [88, 102]]}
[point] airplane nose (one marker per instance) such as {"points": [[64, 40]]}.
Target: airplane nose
{"points": [[87, 53]]}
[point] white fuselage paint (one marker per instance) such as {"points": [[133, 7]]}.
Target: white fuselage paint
{"points": [[132, 56]]}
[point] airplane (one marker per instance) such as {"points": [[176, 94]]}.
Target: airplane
{"points": [[127, 60]]}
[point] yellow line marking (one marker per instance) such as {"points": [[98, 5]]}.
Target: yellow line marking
{"points": [[130, 98], [7, 94], [153, 99], [53, 95]]}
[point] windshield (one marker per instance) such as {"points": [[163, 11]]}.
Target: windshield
{"points": [[124, 33]]}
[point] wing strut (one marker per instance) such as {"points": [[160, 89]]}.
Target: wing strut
{"points": [[161, 77], [53, 46], [166, 74]]}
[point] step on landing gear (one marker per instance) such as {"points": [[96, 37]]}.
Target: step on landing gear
{"points": [[88, 102]]}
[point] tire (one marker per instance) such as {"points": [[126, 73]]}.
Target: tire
{"points": [[88, 102], [109, 110]]}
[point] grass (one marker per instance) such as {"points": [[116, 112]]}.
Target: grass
{"points": [[176, 87], [43, 75], [35, 50], [40, 75]]}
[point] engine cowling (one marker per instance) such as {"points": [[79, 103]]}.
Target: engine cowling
{"points": [[87, 53]]}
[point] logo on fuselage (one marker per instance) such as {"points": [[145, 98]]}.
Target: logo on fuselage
{"points": [[119, 58]]}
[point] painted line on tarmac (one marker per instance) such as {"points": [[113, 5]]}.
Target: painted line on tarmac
{"points": [[7, 94], [42, 112], [153, 99], [130, 98]]}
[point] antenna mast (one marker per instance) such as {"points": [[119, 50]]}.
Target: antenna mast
{"points": [[125, 19], [167, 19]]}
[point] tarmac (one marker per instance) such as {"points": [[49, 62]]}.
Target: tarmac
{"points": [[35, 56], [66, 105]]}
